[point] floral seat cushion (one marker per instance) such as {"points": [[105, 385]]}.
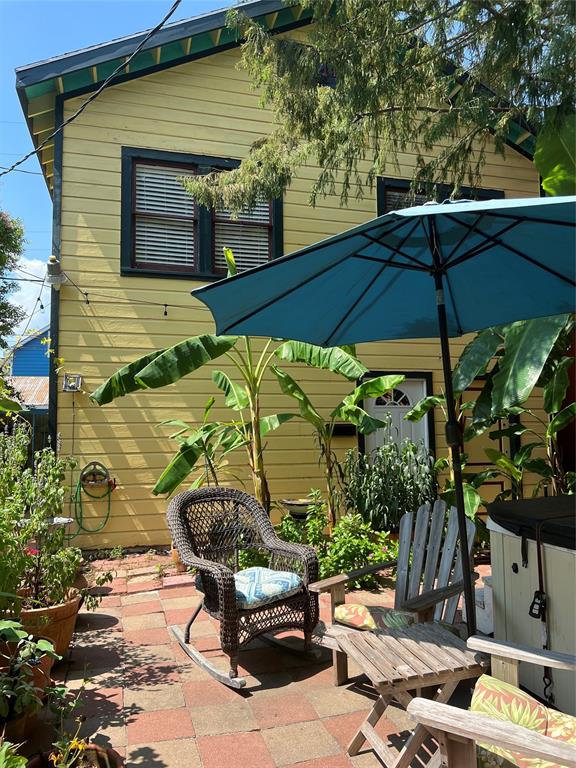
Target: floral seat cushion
{"points": [[259, 586], [503, 701], [371, 617]]}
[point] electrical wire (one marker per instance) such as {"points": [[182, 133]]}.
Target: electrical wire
{"points": [[96, 93], [20, 170], [90, 294]]}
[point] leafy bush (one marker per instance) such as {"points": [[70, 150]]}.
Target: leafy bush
{"points": [[353, 543], [393, 480]]}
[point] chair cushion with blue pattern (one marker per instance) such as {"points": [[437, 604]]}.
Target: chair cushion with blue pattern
{"points": [[259, 586]]}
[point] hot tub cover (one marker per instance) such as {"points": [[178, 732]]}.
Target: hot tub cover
{"points": [[555, 515]]}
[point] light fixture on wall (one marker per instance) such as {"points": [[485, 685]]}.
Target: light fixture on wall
{"points": [[54, 275], [72, 382]]}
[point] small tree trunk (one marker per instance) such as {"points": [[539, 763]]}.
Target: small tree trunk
{"points": [[331, 501], [261, 490]]}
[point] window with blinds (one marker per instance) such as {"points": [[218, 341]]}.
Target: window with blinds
{"points": [[396, 198], [248, 235], [165, 230]]}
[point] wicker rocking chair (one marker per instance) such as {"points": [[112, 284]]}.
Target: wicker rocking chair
{"points": [[209, 527]]}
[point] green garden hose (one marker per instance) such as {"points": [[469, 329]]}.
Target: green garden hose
{"points": [[101, 478]]}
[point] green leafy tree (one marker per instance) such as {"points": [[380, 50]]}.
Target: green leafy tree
{"points": [[444, 79], [11, 248]]}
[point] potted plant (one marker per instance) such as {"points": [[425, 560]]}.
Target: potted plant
{"points": [[25, 665], [9, 757], [39, 568], [70, 750]]}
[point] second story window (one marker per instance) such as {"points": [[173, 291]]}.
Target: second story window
{"points": [[165, 224], [164, 231]]}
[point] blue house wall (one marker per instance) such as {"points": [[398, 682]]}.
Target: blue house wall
{"points": [[29, 359]]}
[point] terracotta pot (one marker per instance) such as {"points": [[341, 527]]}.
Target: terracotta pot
{"points": [[20, 728], [40, 672], [56, 623], [99, 757]]}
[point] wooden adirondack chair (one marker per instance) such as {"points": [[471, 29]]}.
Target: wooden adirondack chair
{"points": [[428, 577], [458, 730]]}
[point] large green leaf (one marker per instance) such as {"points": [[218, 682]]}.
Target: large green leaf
{"points": [[7, 404], [275, 420], [183, 358], [475, 358], [292, 389], [236, 396], [423, 406], [178, 469], [373, 388], [335, 359], [524, 453], [555, 156], [527, 347], [505, 464], [561, 420], [123, 382], [555, 390], [365, 423], [472, 499], [230, 261]]}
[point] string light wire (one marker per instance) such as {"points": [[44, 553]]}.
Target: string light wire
{"points": [[96, 93]]}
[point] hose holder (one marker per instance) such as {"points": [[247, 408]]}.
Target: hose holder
{"points": [[95, 475]]}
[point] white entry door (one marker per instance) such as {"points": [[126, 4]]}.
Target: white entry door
{"points": [[397, 403]]}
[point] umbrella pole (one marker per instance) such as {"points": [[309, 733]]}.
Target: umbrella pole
{"points": [[453, 437]]}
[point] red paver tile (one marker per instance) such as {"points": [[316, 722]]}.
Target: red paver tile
{"points": [[156, 636], [141, 586], [184, 591], [117, 586], [110, 601], [162, 725], [207, 643], [344, 727], [235, 750], [330, 761], [179, 579], [138, 609], [313, 677], [282, 710], [203, 693], [182, 615], [137, 676]]}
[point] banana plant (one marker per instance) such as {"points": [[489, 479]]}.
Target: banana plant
{"points": [[208, 444], [348, 410], [243, 396], [513, 360]]}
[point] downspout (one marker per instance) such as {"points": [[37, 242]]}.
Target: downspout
{"points": [[55, 294]]}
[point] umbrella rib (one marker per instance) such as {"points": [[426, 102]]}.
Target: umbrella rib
{"points": [[354, 305], [383, 265], [378, 241], [454, 307], [283, 295], [481, 247], [465, 236], [495, 241], [388, 262]]}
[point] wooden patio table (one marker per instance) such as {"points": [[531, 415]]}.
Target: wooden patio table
{"points": [[399, 662]]}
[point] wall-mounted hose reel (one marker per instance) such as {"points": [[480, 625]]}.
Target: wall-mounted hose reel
{"points": [[96, 483]]}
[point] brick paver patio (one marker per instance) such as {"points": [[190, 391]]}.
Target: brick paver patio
{"points": [[151, 703]]}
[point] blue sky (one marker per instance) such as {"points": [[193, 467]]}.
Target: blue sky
{"points": [[32, 31]]}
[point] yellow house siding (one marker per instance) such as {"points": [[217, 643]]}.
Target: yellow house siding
{"points": [[204, 107]]}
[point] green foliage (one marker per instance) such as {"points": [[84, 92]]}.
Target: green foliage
{"points": [[19, 654], [555, 155], [393, 480], [352, 543], [371, 77], [9, 757], [11, 249], [515, 360], [348, 410]]}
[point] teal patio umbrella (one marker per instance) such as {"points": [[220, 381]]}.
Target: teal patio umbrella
{"points": [[437, 270]]}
